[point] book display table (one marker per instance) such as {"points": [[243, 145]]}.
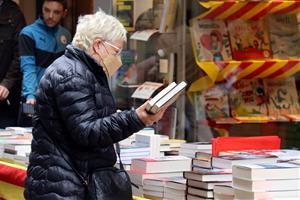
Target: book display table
{"points": [[12, 177]]}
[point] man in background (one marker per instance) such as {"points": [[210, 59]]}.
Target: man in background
{"points": [[40, 44], [11, 22]]}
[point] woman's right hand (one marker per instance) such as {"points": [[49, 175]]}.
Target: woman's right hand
{"points": [[146, 118]]}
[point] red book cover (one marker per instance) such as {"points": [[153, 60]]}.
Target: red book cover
{"points": [[244, 143]]}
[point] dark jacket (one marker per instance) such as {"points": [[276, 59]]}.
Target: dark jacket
{"points": [[77, 109], [11, 23]]}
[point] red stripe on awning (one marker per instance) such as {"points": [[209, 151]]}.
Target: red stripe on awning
{"points": [[221, 64], [220, 9], [249, 6], [283, 69], [237, 70], [266, 10], [291, 8], [261, 69], [12, 175]]}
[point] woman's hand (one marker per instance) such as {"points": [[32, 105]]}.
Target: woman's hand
{"points": [[149, 119]]}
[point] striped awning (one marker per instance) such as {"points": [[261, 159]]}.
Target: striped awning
{"points": [[250, 69], [247, 10]]}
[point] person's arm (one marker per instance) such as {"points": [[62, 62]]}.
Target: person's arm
{"points": [[13, 74], [28, 66], [76, 105]]}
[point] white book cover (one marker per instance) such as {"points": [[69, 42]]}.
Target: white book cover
{"points": [[275, 195], [267, 171], [161, 164]]}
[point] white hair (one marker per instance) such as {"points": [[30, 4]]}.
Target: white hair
{"points": [[97, 25]]}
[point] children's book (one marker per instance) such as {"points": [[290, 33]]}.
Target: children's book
{"points": [[248, 98], [210, 40], [282, 96], [284, 36], [215, 103], [249, 39]]}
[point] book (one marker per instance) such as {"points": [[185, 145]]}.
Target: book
{"points": [[223, 192], [177, 183], [284, 35], [230, 160], [265, 171], [161, 164], [282, 96], [165, 97], [249, 39], [200, 192], [206, 185], [248, 98], [215, 102], [170, 193], [289, 194], [210, 40], [195, 197], [209, 175], [266, 185], [138, 178], [196, 145], [196, 162], [245, 143], [128, 11]]}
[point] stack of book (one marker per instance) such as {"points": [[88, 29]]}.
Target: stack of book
{"points": [[200, 182], [157, 167], [190, 149], [165, 188], [266, 181], [170, 146], [129, 152], [15, 144]]}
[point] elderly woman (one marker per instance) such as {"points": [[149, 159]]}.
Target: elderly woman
{"points": [[76, 111]]}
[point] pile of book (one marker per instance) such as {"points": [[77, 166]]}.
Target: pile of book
{"points": [[190, 149], [15, 144], [156, 167], [266, 181]]}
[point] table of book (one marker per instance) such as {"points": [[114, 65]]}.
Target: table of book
{"points": [[12, 177]]}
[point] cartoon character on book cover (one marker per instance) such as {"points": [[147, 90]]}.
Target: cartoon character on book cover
{"points": [[214, 102], [210, 40], [249, 39], [284, 36], [247, 98], [282, 96]]}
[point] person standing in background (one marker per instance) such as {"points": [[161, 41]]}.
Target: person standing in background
{"points": [[11, 22], [40, 44]]}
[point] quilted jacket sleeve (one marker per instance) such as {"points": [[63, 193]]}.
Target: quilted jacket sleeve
{"points": [[76, 104]]}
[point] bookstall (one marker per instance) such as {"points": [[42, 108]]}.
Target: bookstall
{"points": [[248, 52], [241, 62]]}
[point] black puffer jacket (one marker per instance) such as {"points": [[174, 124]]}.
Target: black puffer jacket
{"points": [[77, 109]]}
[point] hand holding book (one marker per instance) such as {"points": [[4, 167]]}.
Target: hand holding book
{"points": [[146, 118]]}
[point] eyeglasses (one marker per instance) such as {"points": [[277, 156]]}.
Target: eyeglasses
{"points": [[118, 50]]}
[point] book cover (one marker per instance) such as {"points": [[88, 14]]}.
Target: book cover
{"points": [[209, 175], [282, 96], [248, 98], [249, 39], [210, 40], [284, 35], [215, 102]]}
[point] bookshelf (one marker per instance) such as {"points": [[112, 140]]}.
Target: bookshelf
{"points": [[232, 70]]}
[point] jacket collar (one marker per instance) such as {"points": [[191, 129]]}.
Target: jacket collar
{"points": [[90, 63], [40, 22]]}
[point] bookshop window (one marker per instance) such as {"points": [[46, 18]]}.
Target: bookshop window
{"points": [[247, 78]]}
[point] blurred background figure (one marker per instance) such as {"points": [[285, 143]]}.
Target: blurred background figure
{"points": [[11, 22], [40, 44]]}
